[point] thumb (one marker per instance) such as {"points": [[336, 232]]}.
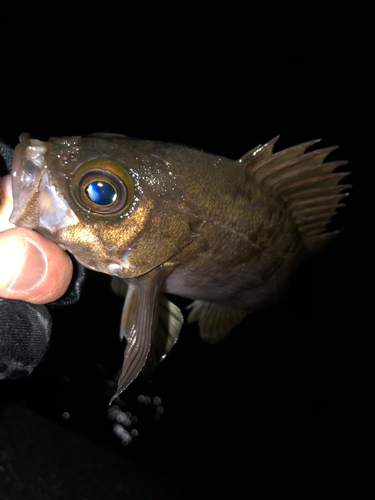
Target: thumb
{"points": [[32, 268]]}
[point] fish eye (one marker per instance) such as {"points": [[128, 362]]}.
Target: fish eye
{"points": [[101, 193], [102, 186]]}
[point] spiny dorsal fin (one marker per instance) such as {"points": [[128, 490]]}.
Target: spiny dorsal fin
{"points": [[308, 186], [259, 154]]}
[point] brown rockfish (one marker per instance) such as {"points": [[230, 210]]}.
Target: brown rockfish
{"points": [[163, 217]]}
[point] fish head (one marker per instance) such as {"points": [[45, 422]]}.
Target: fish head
{"points": [[116, 207]]}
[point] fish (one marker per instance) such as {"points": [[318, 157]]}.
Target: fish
{"points": [[165, 218]]}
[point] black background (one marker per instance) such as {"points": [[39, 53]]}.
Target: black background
{"points": [[274, 397]]}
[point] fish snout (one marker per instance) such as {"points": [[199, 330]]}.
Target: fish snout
{"points": [[27, 170], [37, 201]]}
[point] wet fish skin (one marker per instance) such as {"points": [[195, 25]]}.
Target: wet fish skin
{"points": [[227, 234]]}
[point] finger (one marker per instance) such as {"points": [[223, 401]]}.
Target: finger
{"points": [[6, 202], [32, 268]]}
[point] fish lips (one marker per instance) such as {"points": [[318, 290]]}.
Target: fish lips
{"points": [[36, 202]]}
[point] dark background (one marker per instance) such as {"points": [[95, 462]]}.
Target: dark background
{"points": [[275, 396]]}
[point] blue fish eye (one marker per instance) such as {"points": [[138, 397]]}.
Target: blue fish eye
{"points": [[102, 187], [101, 192]]}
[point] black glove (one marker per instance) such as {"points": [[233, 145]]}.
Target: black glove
{"points": [[25, 329]]}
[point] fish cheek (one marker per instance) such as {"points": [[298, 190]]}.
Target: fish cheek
{"points": [[82, 243], [129, 248], [160, 241], [104, 249]]}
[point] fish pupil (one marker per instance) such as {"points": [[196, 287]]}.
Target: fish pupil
{"points": [[101, 193]]}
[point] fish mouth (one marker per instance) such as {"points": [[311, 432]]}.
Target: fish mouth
{"points": [[28, 162], [36, 201]]}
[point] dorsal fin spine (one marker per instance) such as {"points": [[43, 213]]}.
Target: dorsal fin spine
{"points": [[308, 186]]}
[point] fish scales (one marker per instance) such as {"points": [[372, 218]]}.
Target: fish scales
{"points": [[160, 217]]}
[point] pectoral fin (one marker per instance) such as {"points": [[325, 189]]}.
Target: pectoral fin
{"points": [[119, 286], [167, 333], [170, 322], [139, 324], [215, 321]]}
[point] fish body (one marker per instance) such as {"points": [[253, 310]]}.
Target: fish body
{"points": [[168, 218]]}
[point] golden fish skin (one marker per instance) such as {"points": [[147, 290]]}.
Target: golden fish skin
{"points": [[168, 218]]}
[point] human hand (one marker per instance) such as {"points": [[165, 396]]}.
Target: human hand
{"points": [[33, 271], [32, 268]]}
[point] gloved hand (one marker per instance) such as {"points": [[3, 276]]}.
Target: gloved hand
{"points": [[33, 271]]}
